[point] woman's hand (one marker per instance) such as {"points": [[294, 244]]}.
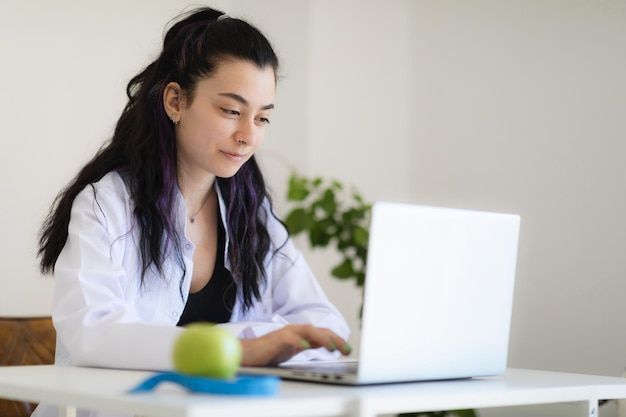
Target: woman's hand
{"points": [[283, 344]]}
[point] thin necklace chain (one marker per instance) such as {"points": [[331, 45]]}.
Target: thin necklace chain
{"points": [[192, 218]]}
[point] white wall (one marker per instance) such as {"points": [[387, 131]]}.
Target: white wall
{"points": [[521, 106], [502, 105]]}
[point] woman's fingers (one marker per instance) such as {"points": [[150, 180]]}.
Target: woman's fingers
{"points": [[318, 337], [273, 348], [283, 344]]}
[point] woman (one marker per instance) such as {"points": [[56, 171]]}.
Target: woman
{"points": [[171, 223]]}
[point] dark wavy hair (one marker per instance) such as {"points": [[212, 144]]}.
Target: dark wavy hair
{"points": [[143, 149]]}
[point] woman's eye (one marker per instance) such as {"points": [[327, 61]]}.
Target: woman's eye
{"points": [[264, 120], [231, 112]]}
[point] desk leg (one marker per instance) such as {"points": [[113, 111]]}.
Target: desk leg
{"points": [[621, 408], [67, 411], [589, 408]]}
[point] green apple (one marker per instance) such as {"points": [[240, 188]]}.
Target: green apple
{"points": [[204, 349]]}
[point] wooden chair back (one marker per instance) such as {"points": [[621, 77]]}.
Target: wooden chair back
{"points": [[25, 341]]}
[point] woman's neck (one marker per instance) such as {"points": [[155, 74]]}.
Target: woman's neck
{"points": [[196, 191]]}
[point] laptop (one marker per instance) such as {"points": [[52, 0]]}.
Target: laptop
{"points": [[437, 300]]}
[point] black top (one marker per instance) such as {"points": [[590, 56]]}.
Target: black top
{"points": [[213, 303]]}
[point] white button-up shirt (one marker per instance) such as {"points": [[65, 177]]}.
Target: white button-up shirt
{"points": [[105, 317]]}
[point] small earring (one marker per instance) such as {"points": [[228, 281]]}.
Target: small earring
{"points": [[173, 120]]}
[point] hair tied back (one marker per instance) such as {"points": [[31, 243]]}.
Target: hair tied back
{"points": [[222, 17]]}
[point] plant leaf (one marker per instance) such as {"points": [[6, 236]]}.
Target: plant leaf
{"points": [[298, 190], [360, 279], [328, 202], [298, 220], [344, 270], [360, 235], [318, 234]]}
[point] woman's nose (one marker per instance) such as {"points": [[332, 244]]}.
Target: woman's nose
{"points": [[246, 133]]}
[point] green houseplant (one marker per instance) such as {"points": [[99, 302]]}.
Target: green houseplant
{"points": [[331, 215]]}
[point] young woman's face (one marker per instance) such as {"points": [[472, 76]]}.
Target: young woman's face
{"points": [[225, 122]]}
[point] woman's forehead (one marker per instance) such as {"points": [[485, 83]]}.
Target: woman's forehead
{"points": [[243, 78]]}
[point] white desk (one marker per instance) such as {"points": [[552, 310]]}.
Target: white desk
{"points": [[105, 389]]}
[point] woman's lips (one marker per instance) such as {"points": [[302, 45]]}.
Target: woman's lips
{"points": [[234, 156]]}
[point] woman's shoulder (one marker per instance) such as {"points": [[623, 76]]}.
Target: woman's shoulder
{"points": [[109, 194], [112, 183]]}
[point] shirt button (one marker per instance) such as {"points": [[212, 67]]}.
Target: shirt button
{"points": [[174, 315], [188, 246]]}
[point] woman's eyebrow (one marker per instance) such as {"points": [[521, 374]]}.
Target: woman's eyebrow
{"points": [[243, 101]]}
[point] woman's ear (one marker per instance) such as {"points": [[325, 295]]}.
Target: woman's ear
{"points": [[172, 101]]}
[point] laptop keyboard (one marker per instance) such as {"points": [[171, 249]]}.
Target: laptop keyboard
{"points": [[333, 368]]}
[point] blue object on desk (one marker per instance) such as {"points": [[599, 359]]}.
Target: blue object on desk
{"points": [[258, 385]]}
